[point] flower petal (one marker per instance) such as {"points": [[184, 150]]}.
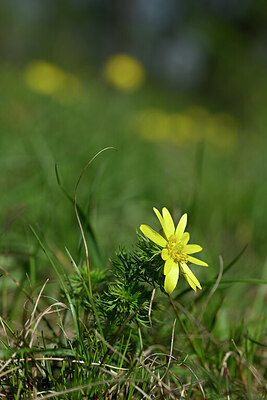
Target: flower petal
{"points": [[169, 265], [181, 227], [192, 248], [165, 254], [158, 214], [196, 261], [190, 282], [187, 271], [153, 235], [185, 238], [171, 280], [168, 227]]}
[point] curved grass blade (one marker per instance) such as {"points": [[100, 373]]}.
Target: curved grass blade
{"points": [[96, 254]]}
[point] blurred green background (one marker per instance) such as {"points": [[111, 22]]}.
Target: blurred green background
{"points": [[178, 87]]}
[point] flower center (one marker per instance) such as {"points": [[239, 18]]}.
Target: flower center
{"points": [[176, 250]]}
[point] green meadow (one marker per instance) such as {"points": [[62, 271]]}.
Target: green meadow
{"points": [[106, 329]]}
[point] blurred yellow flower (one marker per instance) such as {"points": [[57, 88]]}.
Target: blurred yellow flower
{"points": [[185, 130], [175, 250], [191, 126], [46, 78], [124, 72], [157, 125], [154, 124]]}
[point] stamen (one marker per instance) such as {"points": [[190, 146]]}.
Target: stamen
{"points": [[175, 249]]}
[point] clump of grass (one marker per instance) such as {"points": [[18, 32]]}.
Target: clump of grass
{"points": [[115, 334]]}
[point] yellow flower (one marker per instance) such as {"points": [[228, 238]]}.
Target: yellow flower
{"points": [[48, 79], [175, 250], [124, 72], [44, 77]]}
